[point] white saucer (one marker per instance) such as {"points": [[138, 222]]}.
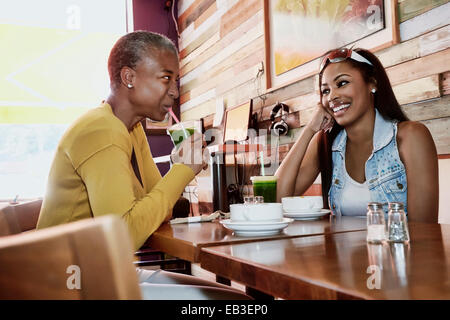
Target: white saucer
{"points": [[307, 215], [256, 228]]}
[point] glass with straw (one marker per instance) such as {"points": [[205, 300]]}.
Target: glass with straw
{"points": [[181, 130], [264, 186]]}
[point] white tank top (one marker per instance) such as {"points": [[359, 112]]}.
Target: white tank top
{"points": [[355, 197]]}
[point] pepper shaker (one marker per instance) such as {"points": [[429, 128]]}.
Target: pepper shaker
{"points": [[397, 223]]}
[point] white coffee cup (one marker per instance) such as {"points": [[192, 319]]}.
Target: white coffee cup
{"points": [[302, 204], [256, 212]]}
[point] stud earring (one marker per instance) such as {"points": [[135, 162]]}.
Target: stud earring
{"points": [[373, 90], [130, 85]]}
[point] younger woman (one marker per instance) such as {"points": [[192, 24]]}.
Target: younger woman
{"points": [[362, 144]]}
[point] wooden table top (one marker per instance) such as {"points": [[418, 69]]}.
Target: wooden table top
{"points": [[186, 240], [340, 266]]}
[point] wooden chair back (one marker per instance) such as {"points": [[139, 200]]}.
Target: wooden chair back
{"points": [[87, 259], [20, 217]]}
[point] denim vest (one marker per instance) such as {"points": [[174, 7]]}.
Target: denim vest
{"points": [[385, 172]]}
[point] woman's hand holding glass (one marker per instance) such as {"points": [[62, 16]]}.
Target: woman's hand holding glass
{"points": [[321, 119], [192, 152]]}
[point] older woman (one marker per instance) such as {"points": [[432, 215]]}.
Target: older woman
{"points": [[103, 163], [362, 144]]}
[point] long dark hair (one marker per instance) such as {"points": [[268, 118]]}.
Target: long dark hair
{"points": [[384, 101]]}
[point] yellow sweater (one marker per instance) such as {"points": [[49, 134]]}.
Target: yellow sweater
{"points": [[92, 175]]}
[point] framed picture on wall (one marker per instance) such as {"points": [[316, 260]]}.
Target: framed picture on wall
{"points": [[298, 33]]}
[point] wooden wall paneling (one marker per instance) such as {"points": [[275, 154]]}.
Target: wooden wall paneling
{"points": [[204, 47], [306, 115], [423, 45], [240, 12], [227, 69], [185, 97], [222, 43], [430, 20], [200, 111], [191, 33], [440, 130], [435, 63], [208, 121], [411, 8], [191, 14], [239, 78], [293, 90], [205, 15], [211, 94], [435, 41], [240, 94], [402, 52], [191, 79], [445, 83], [418, 90], [427, 110], [303, 102], [199, 40]]}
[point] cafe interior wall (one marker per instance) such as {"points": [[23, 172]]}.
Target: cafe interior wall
{"points": [[222, 45]]}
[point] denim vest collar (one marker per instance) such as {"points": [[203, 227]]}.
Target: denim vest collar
{"points": [[382, 135]]}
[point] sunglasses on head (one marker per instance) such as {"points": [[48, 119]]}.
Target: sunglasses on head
{"points": [[341, 55]]}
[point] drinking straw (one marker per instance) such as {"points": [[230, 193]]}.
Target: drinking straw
{"points": [[178, 121], [261, 159]]}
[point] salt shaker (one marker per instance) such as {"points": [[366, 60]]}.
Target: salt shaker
{"points": [[259, 199], [376, 227], [397, 223], [249, 200]]}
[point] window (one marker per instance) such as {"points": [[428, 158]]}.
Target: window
{"points": [[53, 67]]}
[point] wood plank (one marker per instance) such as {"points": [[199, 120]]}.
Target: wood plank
{"points": [[185, 97], [183, 5], [418, 90], [220, 59], [205, 15], [435, 41], [199, 40], [220, 44], [240, 94], [399, 53], [224, 73], [427, 110], [239, 78], [193, 13], [445, 83], [240, 12], [302, 87], [435, 63], [200, 111], [197, 52], [303, 102], [211, 94], [411, 8], [430, 20], [423, 45], [440, 130]]}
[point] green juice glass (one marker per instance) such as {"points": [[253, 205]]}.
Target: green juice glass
{"points": [[265, 186], [177, 133]]}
